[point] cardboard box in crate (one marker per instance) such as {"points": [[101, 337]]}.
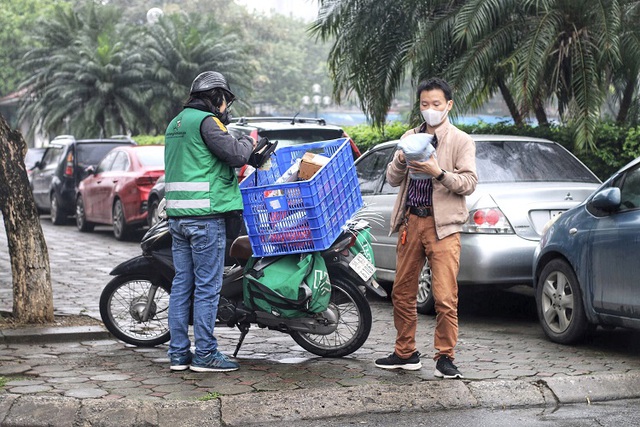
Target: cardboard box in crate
{"points": [[302, 216]]}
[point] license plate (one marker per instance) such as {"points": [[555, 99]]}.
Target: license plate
{"points": [[362, 266]]}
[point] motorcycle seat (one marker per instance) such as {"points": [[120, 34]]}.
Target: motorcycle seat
{"points": [[241, 248]]}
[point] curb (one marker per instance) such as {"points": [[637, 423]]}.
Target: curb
{"points": [[55, 334], [297, 405]]}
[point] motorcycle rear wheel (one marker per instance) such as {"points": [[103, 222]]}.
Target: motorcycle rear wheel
{"points": [[354, 324], [121, 305]]}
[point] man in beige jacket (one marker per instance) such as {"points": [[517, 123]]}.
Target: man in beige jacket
{"points": [[428, 215]]}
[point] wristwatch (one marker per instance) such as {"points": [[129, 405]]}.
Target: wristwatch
{"points": [[441, 176]]}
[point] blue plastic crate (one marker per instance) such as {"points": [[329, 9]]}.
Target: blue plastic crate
{"points": [[302, 216]]}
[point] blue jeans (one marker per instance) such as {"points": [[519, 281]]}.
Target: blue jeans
{"points": [[198, 255]]}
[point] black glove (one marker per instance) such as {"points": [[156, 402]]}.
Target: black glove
{"points": [[262, 152]]}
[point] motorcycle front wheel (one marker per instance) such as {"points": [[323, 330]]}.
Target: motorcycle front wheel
{"points": [[122, 307], [354, 324]]}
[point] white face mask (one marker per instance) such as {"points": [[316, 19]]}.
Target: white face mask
{"points": [[434, 117]]}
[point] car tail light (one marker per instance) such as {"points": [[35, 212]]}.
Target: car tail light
{"points": [[487, 221], [146, 181], [354, 147], [68, 171]]}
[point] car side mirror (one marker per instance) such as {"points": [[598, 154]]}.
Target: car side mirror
{"points": [[38, 165], [607, 199], [90, 170]]}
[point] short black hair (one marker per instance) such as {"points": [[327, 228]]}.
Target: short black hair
{"points": [[435, 83]]}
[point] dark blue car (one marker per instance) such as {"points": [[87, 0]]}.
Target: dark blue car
{"points": [[587, 265]]}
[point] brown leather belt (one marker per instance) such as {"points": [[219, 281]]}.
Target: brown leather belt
{"points": [[421, 211]]}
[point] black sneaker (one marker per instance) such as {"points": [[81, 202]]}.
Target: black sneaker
{"points": [[446, 369], [394, 362]]}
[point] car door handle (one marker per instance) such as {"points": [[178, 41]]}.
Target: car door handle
{"points": [[114, 181], [573, 231]]}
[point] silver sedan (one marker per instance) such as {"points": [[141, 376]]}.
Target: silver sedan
{"points": [[522, 183]]}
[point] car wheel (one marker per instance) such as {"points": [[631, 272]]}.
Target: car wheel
{"points": [[120, 228], [152, 214], [81, 218], [426, 304], [559, 303], [57, 217]]}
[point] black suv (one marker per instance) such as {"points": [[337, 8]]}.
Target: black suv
{"points": [[287, 131], [55, 178]]}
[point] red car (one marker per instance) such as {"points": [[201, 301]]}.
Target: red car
{"points": [[117, 190]]}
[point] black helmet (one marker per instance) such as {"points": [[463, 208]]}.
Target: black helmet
{"points": [[211, 80]]}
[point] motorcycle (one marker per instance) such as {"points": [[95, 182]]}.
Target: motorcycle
{"points": [[134, 304]]}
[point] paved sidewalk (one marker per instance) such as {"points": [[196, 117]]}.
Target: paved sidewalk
{"points": [[81, 376]]}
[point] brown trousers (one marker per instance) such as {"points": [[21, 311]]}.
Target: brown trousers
{"points": [[444, 259]]}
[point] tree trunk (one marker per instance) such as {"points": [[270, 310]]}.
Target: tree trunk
{"points": [[32, 292], [518, 119], [541, 114], [625, 103]]}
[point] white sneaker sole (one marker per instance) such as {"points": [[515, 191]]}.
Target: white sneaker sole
{"points": [[204, 369], [179, 367], [406, 367], [439, 374]]}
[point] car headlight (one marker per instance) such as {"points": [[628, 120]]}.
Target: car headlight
{"points": [[487, 221]]}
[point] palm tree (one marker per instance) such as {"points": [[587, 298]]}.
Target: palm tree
{"points": [[178, 48], [87, 77], [532, 51], [626, 77], [568, 52], [376, 45]]}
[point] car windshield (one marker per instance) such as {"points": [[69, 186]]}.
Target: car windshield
{"points": [[289, 137], [151, 156], [91, 154], [528, 161]]}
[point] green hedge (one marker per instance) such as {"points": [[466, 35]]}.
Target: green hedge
{"points": [[616, 146], [148, 139]]}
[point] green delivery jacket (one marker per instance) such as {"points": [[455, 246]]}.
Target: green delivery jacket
{"points": [[198, 183]]}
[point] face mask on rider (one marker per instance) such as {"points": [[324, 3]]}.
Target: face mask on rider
{"points": [[434, 117], [225, 117]]}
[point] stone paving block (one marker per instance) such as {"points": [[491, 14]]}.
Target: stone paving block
{"points": [[591, 388], [189, 414], [36, 411], [6, 401], [271, 407], [85, 393], [507, 394]]}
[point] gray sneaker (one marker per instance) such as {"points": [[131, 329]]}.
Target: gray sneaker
{"points": [[446, 369], [213, 362]]}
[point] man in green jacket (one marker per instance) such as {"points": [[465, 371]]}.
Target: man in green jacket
{"points": [[202, 193]]}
